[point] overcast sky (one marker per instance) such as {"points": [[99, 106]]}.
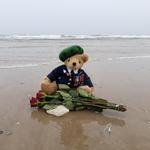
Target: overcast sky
{"points": [[75, 17]]}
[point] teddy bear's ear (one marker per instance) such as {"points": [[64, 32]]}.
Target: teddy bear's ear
{"points": [[85, 57]]}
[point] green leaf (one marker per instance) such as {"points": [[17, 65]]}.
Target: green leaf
{"points": [[49, 107], [74, 93], [53, 96], [69, 105], [64, 94], [63, 87]]}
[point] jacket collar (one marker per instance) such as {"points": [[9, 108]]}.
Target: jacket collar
{"points": [[69, 70]]}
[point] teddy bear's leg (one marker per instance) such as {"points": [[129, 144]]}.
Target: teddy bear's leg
{"points": [[47, 86], [86, 88]]}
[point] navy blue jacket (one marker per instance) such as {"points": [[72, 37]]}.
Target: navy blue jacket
{"points": [[62, 76]]}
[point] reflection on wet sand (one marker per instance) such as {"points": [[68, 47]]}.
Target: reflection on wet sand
{"points": [[77, 128]]}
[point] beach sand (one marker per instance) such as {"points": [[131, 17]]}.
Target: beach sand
{"points": [[120, 80]]}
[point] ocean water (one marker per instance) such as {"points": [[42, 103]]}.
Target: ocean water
{"points": [[31, 51]]}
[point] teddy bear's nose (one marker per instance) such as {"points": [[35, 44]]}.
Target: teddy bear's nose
{"points": [[74, 63]]}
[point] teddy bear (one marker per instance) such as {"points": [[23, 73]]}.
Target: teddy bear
{"points": [[70, 72]]}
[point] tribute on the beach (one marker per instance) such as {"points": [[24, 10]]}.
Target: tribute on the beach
{"points": [[68, 87]]}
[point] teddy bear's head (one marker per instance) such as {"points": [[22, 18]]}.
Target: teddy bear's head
{"points": [[73, 57], [76, 62]]}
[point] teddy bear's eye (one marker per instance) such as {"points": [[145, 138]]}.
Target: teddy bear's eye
{"points": [[68, 60], [79, 62]]}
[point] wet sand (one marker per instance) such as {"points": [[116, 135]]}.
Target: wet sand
{"points": [[121, 81]]}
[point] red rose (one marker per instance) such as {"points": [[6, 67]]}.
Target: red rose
{"points": [[33, 102], [40, 94]]}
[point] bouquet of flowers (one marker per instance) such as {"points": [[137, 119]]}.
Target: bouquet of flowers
{"points": [[72, 99]]}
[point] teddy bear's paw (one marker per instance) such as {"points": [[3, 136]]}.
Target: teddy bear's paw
{"points": [[86, 88]]}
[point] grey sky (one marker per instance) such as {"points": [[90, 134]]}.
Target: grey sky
{"points": [[75, 17]]}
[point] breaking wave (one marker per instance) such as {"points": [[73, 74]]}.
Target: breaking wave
{"points": [[59, 37]]}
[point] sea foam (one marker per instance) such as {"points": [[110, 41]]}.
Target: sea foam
{"points": [[57, 37]]}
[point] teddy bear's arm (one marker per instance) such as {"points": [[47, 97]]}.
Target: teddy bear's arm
{"points": [[55, 74], [87, 80]]}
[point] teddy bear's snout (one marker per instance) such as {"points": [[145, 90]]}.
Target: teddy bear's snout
{"points": [[74, 63]]}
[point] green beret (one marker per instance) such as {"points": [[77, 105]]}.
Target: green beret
{"points": [[70, 51]]}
